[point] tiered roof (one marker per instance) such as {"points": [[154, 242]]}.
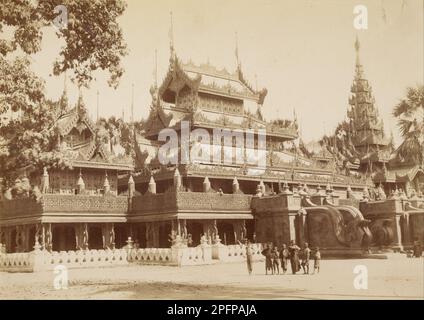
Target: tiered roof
{"points": [[209, 97], [89, 152], [367, 127]]}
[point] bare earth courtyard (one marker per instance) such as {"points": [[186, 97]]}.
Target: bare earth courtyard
{"points": [[394, 278]]}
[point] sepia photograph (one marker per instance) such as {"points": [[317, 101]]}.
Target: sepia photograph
{"points": [[211, 150]]}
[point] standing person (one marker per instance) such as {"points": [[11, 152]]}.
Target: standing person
{"points": [[249, 256], [275, 261], [317, 259], [418, 251], [306, 255], [294, 257], [284, 256], [268, 260]]}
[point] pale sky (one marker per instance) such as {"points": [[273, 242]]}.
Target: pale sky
{"points": [[302, 51]]}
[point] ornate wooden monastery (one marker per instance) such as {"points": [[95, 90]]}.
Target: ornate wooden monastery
{"points": [[327, 197]]}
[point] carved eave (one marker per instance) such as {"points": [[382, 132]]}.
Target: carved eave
{"points": [[261, 94], [177, 75], [66, 122], [102, 165], [157, 120]]}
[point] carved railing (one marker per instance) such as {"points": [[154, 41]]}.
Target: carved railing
{"points": [[387, 207], [84, 203], [213, 201], [173, 200], [194, 255], [19, 208], [83, 258], [283, 131], [16, 262], [154, 202], [63, 203], [236, 252], [161, 256], [44, 260]]}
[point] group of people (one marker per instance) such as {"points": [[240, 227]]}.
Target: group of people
{"points": [[298, 258]]}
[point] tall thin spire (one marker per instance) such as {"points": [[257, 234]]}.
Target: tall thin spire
{"points": [[97, 106], [132, 103], [156, 68], [357, 47], [65, 86], [64, 98], [80, 103], [171, 36], [236, 51]]}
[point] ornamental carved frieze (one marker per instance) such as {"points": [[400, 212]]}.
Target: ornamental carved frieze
{"points": [[84, 203]]}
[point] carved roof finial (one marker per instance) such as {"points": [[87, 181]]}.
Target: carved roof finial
{"points": [[106, 182], [176, 172], [80, 181], [237, 53]]}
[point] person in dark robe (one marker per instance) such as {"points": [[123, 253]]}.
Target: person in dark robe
{"points": [[275, 256], [267, 252], [284, 256], [294, 257], [306, 255]]}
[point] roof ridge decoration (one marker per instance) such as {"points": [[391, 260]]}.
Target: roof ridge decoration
{"points": [[156, 112], [209, 69]]}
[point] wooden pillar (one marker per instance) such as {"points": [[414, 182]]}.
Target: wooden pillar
{"points": [[81, 235], [48, 239], [398, 232], [406, 236], [156, 234], [152, 235], [43, 237], [108, 235], [302, 227]]}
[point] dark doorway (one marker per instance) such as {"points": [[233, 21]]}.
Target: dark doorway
{"points": [[250, 229], [196, 231], [139, 231], [63, 238], [12, 246], [31, 239], [121, 236], [164, 232], [95, 237], [226, 232]]}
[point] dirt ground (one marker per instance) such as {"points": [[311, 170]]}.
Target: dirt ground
{"points": [[397, 277]]}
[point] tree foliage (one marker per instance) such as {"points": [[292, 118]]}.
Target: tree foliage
{"points": [[92, 41], [410, 114]]}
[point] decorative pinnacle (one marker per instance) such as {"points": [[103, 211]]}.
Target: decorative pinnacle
{"points": [[357, 47], [236, 52], [171, 37]]}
